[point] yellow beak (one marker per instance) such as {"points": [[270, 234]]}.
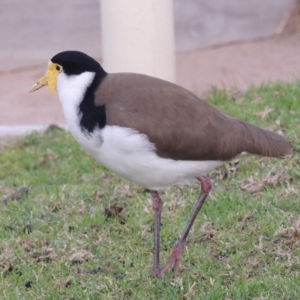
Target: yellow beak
{"points": [[49, 79]]}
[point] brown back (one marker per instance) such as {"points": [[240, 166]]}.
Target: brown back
{"points": [[179, 124]]}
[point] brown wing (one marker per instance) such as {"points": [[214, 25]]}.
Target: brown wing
{"points": [[181, 125]]}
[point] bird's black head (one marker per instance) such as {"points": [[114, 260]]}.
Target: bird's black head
{"points": [[76, 62]]}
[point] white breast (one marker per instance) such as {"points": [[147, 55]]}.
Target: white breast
{"points": [[124, 150], [71, 90]]}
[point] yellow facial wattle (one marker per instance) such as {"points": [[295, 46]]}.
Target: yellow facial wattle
{"points": [[49, 79]]}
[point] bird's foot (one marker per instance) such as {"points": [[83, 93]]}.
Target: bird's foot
{"points": [[174, 260]]}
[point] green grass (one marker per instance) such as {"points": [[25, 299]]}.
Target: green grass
{"points": [[242, 246]]}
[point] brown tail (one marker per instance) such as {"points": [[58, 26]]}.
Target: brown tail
{"points": [[266, 143]]}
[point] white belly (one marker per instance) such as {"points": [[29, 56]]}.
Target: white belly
{"points": [[130, 154]]}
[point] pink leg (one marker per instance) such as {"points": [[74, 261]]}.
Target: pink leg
{"points": [[157, 207], [174, 258]]}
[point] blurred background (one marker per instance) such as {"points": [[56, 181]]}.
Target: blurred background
{"points": [[222, 43]]}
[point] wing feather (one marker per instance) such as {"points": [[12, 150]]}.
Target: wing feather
{"points": [[179, 124]]}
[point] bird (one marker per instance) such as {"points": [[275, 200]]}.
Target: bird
{"points": [[151, 132]]}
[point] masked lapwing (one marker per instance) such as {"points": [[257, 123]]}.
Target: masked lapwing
{"points": [[151, 132]]}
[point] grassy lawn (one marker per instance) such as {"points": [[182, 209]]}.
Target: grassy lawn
{"points": [[57, 242]]}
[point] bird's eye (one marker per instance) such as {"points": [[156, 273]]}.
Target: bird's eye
{"points": [[58, 68]]}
